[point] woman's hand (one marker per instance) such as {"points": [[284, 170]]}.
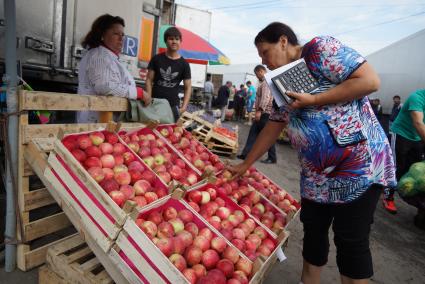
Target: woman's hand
{"points": [[302, 100], [238, 170], [147, 99]]}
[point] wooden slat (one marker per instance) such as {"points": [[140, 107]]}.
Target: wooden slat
{"points": [[37, 198], [33, 100], [51, 130], [90, 265], [47, 276], [45, 226], [37, 256]]}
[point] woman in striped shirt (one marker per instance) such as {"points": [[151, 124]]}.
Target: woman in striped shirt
{"points": [[100, 71]]}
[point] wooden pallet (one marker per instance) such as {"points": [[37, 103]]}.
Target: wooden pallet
{"points": [[43, 223], [72, 261], [222, 149]]}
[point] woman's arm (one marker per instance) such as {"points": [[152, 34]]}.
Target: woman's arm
{"points": [[265, 140], [360, 83]]}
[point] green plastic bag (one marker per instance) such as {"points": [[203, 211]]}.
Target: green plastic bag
{"points": [[158, 110], [413, 182]]}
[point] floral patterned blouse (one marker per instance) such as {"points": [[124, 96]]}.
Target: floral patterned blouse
{"points": [[342, 148]]}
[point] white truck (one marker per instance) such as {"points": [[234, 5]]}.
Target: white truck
{"points": [[198, 22], [49, 34]]}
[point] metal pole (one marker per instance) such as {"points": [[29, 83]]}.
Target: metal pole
{"points": [[12, 106]]}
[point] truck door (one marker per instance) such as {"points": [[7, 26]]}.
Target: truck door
{"points": [[38, 29]]}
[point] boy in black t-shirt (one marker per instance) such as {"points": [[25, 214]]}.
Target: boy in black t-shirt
{"points": [[166, 71]]}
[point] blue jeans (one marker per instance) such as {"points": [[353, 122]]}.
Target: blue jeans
{"points": [[249, 105], [255, 129]]}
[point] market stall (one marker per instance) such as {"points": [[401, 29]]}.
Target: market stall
{"points": [[157, 206]]}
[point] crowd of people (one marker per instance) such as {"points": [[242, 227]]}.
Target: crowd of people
{"points": [[346, 159]]}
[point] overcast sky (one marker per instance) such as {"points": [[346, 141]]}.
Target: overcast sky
{"points": [[365, 25]]}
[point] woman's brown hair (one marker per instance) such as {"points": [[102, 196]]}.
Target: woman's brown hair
{"points": [[99, 27]]}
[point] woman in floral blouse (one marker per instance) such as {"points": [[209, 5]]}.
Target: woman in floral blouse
{"points": [[344, 154]]}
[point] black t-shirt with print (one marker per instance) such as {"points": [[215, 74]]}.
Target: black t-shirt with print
{"points": [[168, 75]]}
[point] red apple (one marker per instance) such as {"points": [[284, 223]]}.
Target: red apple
{"points": [[155, 217], [201, 242], [207, 233], [192, 228], [244, 265], [109, 173], [120, 168], [186, 237], [151, 197], [141, 187], [79, 155], [169, 213], [176, 172], [264, 250], [118, 197], [108, 161], [84, 142], [165, 230], [93, 151], [238, 234], [226, 266], [195, 196], [185, 215], [123, 178], [140, 200], [223, 212], [240, 276], [199, 270], [109, 185], [177, 224], [239, 244], [148, 176], [149, 228], [96, 173], [97, 138], [190, 275], [166, 246], [219, 244], [137, 166], [210, 258], [128, 191], [128, 158], [193, 255], [119, 149], [92, 162], [178, 261], [111, 137], [106, 148], [178, 245], [231, 254]]}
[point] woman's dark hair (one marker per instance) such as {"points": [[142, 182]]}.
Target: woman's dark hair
{"points": [[99, 27], [274, 31], [172, 32], [259, 67]]}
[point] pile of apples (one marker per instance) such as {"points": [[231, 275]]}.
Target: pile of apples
{"points": [[115, 168], [160, 158], [244, 233], [201, 255], [276, 195], [251, 201], [192, 149]]}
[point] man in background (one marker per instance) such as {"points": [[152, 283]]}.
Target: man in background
{"points": [[408, 139], [223, 98], [396, 108], [263, 108], [208, 92], [166, 71], [251, 94]]}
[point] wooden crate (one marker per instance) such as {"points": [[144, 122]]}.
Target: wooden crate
{"points": [[72, 261], [38, 160], [222, 149], [43, 224]]}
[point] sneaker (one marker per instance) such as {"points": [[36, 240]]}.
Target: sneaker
{"points": [[389, 205], [242, 157], [268, 161]]}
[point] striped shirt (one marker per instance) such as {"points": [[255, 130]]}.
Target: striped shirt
{"points": [[101, 73], [264, 100]]}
